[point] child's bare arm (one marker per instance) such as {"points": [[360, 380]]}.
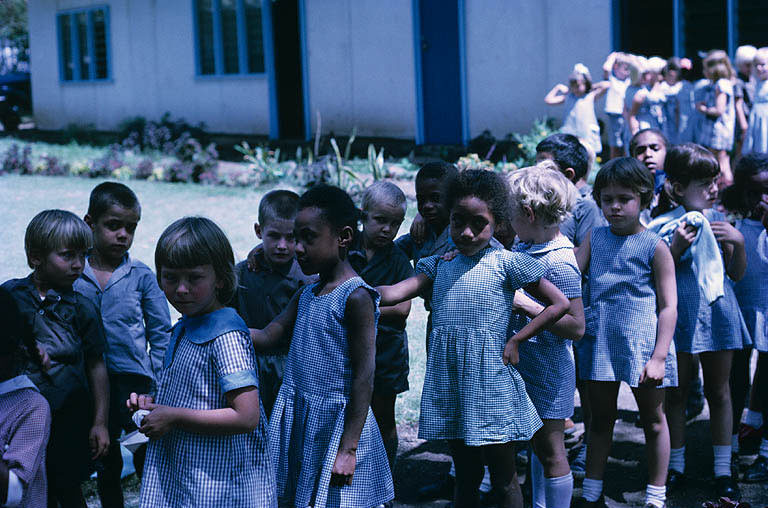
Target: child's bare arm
{"points": [[403, 290], [583, 253], [637, 101], [734, 254], [741, 116], [362, 346], [599, 88], [666, 305], [544, 291], [279, 330], [99, 382], [395, 313], [556, 95], [570, 326]]}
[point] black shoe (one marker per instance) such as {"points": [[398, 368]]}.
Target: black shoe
{"points": [[438, 490], [675, 479], [758, 471], [725, 486], [583, 503]]}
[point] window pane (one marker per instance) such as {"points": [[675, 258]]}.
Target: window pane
{"points": [[65, 31], [254, 38], [82, 43], [205, 36], [229, 35], [100, 43], [657, 16], [753, 20], [706, 26]]}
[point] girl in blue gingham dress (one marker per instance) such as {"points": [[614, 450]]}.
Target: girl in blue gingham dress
{"points": [[472, 394], [324, 440], [541, 199], [207, 428], [629, 304]]}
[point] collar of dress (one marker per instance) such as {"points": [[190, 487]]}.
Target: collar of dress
{"points": [[205, 328]]}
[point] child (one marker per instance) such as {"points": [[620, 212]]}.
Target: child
{"points": [[323, 436], [207, 431], [134, 313], [756, 137], [743, 91], [379, 262], [647, 106], [649, 146], [540, 199], [617, 69], [716, 126], [25, 418], [266, 291], [748, 199], [709, 322], [472, 396], [66, 326], [579, 97], [629, 333]]}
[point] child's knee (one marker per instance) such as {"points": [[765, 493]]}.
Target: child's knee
{"points": [[718, 395]]}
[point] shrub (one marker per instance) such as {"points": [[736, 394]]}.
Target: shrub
{"points": [[50, 165], [17, 161]]}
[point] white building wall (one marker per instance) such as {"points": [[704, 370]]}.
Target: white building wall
{"points": [[153, 71], [360, 66]]}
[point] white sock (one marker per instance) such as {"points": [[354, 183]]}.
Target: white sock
{"points": [[722, 460], [754, 419], [452, 471], [538, 483], [558, 491], [656, 495], [677, 459], [485, 485], [764, 448], [591, 489], [735, 443]]}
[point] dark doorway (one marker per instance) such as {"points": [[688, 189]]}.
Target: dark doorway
{"points": [[647, 27], [441, 72], [288, 71]]}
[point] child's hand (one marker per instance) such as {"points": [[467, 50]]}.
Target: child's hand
{"points": [[136, 401], [682, 239], [250, 261], [159, 421], [99, 441], [343, 468], [653, 373], [419, 230], [726, 233], [511, 354], [45, 360], [701, 107], [448, 256]]}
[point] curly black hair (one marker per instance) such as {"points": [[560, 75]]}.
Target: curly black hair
{"points": [[742, 197], [487, 186], [334, 204]]}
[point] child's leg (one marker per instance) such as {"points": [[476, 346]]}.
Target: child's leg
{"points": [[383, 407], [66, 496], [716, 366], [501, 464], [650, 402], [549, 446], [602, 397], [739, 385], [758, 471], [470, 468], [676, 398], [726, 176]]}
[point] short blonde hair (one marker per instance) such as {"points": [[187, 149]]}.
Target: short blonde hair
{"points": [[545, 190], [52, 229], [744, 54], [760, 55]]}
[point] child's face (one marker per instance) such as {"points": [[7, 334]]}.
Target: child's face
{"points": [[60, 268], [745, 68], [472, 225], [621, 70], [381, 224], [113, 231], [578, 86], [651, 151], [650, 78], [524, 223], [429, 202], [317, 241], [760, 188], [698, 195], [672, 77], [191, 291], [621, 207], [278, 241], [761, 68]]}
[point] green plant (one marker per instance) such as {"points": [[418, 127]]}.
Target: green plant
{"points": [[376, 162], [526, 143], [264, 164]]}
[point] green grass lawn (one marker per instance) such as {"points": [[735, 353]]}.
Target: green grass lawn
{"points": [[234, 209]]}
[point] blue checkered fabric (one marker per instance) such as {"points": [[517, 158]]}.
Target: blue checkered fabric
{"points": [[188, 469], [546, 360], [717, 133], [308, 418], [752, 290], [469, 393], [620, 310], [703, 327]]}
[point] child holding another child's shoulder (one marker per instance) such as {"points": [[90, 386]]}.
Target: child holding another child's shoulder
{"points": [[134, 313], [323, 435], [207, 429], [265, 289], [68, 331]]}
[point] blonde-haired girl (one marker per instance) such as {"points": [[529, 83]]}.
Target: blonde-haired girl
{"points": [[756, 138]]}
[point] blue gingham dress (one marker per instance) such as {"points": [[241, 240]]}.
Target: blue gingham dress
{"points": [[752, 290], [717, 133], [469, 393], [308, 418], [546, 360], [189, 469], [756, 140], [703, 327], [620, 310]]}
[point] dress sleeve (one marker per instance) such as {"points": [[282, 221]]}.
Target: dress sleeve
{"points": [[567, 278], [724, 86], [234, 361], [428, 266], [522, 269], [25, 454]]}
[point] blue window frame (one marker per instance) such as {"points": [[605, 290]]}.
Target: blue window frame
{"points": [[229, 37], [84, 53]]}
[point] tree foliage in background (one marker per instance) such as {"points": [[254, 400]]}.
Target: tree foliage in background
{"points": [[14, 33]]}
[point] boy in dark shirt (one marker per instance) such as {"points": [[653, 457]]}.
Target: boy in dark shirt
{"points": [[67, 327], [267, 287], [380, 262]]}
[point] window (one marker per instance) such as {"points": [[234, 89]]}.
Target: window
{"points": [[83, 44], [229, 37]]}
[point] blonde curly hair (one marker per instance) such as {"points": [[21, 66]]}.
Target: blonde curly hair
{"points": [[545, 190]]}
